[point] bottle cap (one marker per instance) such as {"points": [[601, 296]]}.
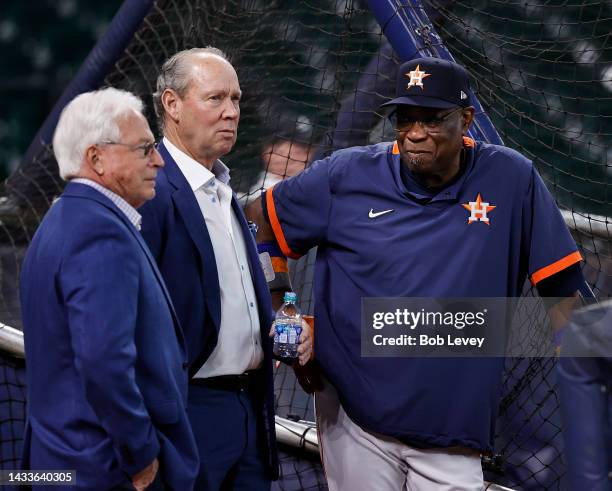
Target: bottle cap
{"points": [[290, 297]]}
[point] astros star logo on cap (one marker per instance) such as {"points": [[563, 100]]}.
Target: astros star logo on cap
{"points": [[416, 77]]}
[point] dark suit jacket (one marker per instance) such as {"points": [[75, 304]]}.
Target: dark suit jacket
{"points": [[174, 228], [106, 363]]}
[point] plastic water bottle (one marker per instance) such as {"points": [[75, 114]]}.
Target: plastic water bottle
{"points": [[288, 328]]}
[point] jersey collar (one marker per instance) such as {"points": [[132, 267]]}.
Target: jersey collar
{"points": [[418, 193]]}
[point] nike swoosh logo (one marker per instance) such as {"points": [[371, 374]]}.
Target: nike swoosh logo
{"points": [[373, 214]]}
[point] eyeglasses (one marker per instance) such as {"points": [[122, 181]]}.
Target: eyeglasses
{"points": [[430, 125], [146, 148]]}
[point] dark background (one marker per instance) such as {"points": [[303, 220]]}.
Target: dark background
{"points": [[42, 45]]}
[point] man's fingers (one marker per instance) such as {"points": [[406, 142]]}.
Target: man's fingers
{"points": [[305, 346], [305, 334], [145, 477]]}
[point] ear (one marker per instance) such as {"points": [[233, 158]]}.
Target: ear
{"points": [[93, 159], [468, 116], [172, 104]]}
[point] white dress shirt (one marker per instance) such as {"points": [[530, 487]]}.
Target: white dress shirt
{"points": [[239, 345]]}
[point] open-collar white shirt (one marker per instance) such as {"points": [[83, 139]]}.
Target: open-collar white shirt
{"points": [[239, 345]]}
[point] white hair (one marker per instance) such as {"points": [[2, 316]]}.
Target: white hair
{"points": [[88, 119]]}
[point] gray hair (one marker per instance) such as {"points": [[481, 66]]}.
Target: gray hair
{"points": [[175, 75], [88, 119]]}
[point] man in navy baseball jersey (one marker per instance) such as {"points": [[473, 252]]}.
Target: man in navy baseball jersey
{"points": [[433, 214]]}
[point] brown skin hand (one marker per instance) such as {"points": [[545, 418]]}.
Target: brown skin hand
{"points": [[143, 479], [433, 157]]}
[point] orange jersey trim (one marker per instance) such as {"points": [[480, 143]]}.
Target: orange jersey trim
{"points": [[468, 142], [395, 150], [276, 227], [279, 264], [555, 267]]}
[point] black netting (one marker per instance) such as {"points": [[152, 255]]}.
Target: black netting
{"points": [[12, 411], [543, 71], [313, 74]]}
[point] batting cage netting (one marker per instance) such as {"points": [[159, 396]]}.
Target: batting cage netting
{"points": [[313, 75]]}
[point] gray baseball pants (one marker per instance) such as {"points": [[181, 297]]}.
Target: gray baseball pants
{"points": [[356, 459]]}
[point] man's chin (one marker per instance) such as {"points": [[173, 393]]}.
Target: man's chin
{"points": [[226, 147], [418, 165], [148, 195]]}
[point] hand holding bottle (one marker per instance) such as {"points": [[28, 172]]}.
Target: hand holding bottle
{"points": [[291, 333]]}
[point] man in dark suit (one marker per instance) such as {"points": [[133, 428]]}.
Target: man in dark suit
{"points": [[106, 361], [206, 253]]}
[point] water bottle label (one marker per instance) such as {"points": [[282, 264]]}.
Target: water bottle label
{"points": [[282, 332], [292, 336], [286, 336]]}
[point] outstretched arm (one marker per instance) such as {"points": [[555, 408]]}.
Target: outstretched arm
{"points": [[266, 240], [305, 368]]}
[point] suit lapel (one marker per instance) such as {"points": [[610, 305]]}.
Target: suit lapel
{"points": [[189, 209], [82, 190]]}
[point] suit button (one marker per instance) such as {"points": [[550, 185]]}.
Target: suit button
{"points": [[185, 365]]}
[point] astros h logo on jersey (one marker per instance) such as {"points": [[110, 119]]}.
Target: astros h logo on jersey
{"points": [[479, 210]]}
